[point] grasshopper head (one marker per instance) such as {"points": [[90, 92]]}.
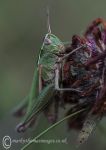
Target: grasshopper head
{"points": [[52, 43], [47, 40]]}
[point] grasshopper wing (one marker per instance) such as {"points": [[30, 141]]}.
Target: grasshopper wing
{"points": [[41, 102]]}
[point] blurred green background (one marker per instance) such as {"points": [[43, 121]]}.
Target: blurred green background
{"points": [[22, 28]]}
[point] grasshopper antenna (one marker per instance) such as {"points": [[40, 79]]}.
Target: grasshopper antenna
{"points": [[48, 21]]}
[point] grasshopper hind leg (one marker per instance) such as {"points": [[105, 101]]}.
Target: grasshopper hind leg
{"points": [[51, 111], [57, 78], [22, 127]]}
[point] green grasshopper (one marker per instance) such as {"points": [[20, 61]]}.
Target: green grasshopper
{"points": [[46, 80]]}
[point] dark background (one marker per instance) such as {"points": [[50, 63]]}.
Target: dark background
{"points": [[22, 28]]}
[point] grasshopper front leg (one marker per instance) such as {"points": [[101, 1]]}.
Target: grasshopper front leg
{"points": [[72, 52]]}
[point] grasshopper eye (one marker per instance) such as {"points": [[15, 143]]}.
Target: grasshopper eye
{"points": [[47, 41]]}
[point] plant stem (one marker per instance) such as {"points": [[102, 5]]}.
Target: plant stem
{"points": [[51, 127]]}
